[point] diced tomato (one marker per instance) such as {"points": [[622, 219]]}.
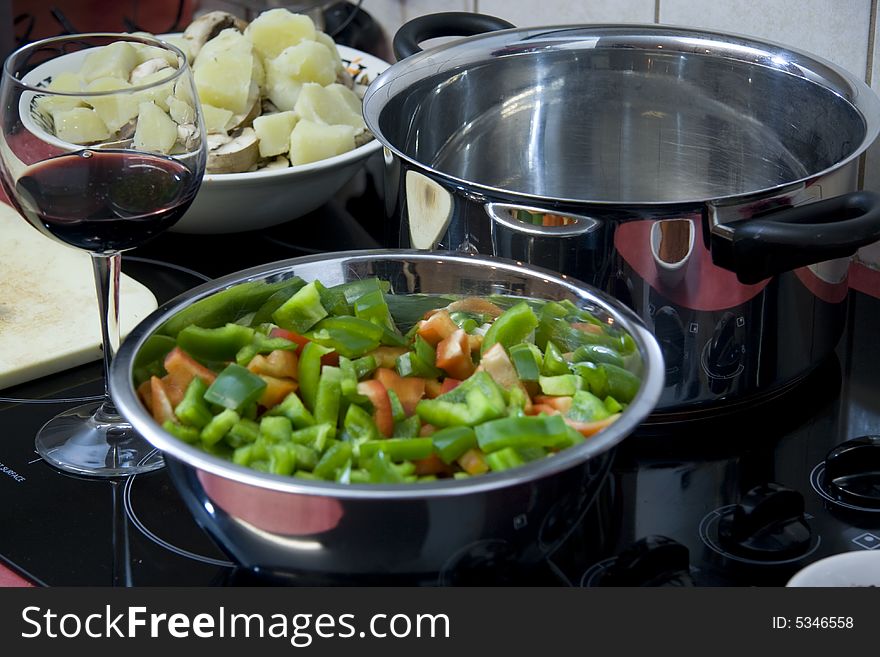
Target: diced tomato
{"points": [[561, 404], [537, 409], [175, 387], [146, 394], [160, 407], [454, 355], [279, 363], [473, 462], [449, 383], [586, 327], [293, 336], [184, 367], [409, 389], [432, 465], [331, 359], [275, 391], [387, 356], [477, 305], [378, 396], [427, 430], [591, 428], [437, 327], [433, 388]]}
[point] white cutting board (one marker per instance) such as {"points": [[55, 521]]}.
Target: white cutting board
{"points": [[49, 317]]}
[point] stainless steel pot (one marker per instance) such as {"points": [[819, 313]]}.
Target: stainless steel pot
{"points": [[706, 180], [275, 523]]}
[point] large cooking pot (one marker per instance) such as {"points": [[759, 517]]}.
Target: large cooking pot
{"points": [[706, 180], [322, 530]]}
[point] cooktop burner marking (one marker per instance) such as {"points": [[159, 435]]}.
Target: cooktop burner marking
{"points": [[709, 530], [593, 574], [867, 541], [170, 265], [136, 521], [817, 481]]}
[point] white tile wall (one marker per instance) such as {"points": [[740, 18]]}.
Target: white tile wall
{"points": [[838, 30]]}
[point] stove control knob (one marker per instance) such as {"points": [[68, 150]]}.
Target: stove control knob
{"points": [[852, 472], [725, 351], [767, 525], [651, 561]]}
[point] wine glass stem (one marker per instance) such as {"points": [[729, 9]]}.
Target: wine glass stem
{"points": [[107, 268]]}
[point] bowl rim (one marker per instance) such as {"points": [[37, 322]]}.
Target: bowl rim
{"points": [[818, 573], [126, 400]]}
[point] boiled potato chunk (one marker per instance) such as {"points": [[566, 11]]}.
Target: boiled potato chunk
{"points": [[310, 141], [66, 81], [115, 110], [183, 44], [180, 110], [223, 72], [112, 61], [156, 131], [274, 30], [308, 61], [80, 125], [147, 52], [330, 105], [216, 118], [273, 131], [327, 40], [158, 93]]}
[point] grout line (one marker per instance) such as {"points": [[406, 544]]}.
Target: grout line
{"points": [[869, 75], [657, 11], [872, 28]]}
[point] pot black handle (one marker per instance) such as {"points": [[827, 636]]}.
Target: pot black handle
{"points": [[758, 248], [444, 24]]}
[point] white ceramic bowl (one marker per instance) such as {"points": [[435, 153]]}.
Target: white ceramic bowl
{"points": [[860, 568], [238, 202]]}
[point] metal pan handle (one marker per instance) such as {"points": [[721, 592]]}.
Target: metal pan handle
{"points": [[761, 247], [444, 24]]}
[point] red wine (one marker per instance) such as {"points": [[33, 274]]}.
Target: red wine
{"points": [[105, 201]]}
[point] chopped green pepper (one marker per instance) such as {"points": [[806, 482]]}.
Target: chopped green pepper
{"points": [[597, 353], [316, 436], [561, 385], [214, 344], [554, 364], [333, 459], [310, 372], [452, 442], [243, 432], [587, 407], [359, 424], [350, 336], [397, 449], [397, 411], [407, 428], [235, 387], [504, 459], [192, 409], [382, 470], [527, 431], [275, 429], [213, 432], [301, 311], [511, 327], [186, 434], [364, 366], [292, 408], [526, 358], [329, 396]]}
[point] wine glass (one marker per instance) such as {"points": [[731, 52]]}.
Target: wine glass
{"points": [[103, 147]]}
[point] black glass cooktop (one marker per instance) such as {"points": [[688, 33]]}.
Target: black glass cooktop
{"points": [[744, 499]]}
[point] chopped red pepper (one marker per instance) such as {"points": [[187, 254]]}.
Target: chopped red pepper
{"points": [[437, 327], [331, 359], [275, 391], [589, 428], [409, 389], [378, 396], [161, 408], [449, 383], [454, 355]]}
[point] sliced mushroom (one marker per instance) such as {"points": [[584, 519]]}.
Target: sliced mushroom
{"points": [[209, 25], [237, 154], [187, 133], [148, 67], [279, 162], [363, 137], [344, 77]]}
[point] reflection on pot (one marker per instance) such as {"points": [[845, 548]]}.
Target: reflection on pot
{"points": [[672, 243]]}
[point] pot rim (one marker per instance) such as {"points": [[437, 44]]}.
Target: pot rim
{"points": [[765, 53], [127, 403]]}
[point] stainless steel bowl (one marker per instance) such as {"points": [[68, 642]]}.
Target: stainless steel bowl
{"points": [[276, 523]]}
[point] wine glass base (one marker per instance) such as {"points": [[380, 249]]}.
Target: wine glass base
{"points": [[86, 440]]}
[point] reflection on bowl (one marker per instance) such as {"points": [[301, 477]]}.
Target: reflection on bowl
{"points": [[849, 569], [672, 243]]}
